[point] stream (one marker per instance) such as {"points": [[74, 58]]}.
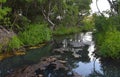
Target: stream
{"points": [[80, 58]]}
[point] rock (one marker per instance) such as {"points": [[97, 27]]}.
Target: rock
{"points": [[61, 50], [38, 70], [40, 75], [76, 55], [76, 44], [63, 62], [5, 37], [60, 65]]}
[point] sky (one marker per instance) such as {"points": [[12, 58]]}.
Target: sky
{"points": [[102, 4]]}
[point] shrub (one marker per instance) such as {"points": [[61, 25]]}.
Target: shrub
{"points": [[110, 46], [99, 38], [107, 36], [101, 23], [37, 33], [14, 43], [88, 24]]}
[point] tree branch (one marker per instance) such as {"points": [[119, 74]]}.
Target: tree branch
{"points": [[47, 18], [98, 8], [112, 5]]}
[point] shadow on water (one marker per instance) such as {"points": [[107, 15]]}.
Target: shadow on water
{"points": [[32, 57], [80, 58]]}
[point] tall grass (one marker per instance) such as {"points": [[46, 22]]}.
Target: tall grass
{"points": [[36, 33], [14, 43]]}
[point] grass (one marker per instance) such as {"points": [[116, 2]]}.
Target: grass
{"points": [[37, 33], [14, 43]]}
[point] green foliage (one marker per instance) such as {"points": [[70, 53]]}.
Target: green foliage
{"points": [[88, 24], [21, 24], [3, 12], [111, 44], [99, 37], [75, 10], [37, 33], [6, 21], [3, 1], [22, 16], [115, 20], [14, 43], [108, 36], [69, 10], [61, 30], [101, 23]]}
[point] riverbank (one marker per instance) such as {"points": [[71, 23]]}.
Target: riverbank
{"points": [[19, 51], [32, 38], [93, 64]]}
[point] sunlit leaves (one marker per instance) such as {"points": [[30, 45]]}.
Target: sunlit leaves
{"points": [[4, 11], [3, 1], [110, 46]]}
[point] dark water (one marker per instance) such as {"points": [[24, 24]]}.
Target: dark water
{"points": [[87, 65]]}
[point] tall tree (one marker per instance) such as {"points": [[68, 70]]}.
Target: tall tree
{"points": [[55, 12]]}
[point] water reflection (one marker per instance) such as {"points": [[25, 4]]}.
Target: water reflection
{"points": [[86, 64], [84, 45], [33, 56]]}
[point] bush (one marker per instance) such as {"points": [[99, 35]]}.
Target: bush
{"points": [[107, 36], [110, 47], [88, 24], [101, 23], [14, 43], [99, 37], [37, 33]]}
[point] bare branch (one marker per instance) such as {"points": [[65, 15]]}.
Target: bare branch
{"points": [[98, 8], [111, 3], [47, 17]]}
